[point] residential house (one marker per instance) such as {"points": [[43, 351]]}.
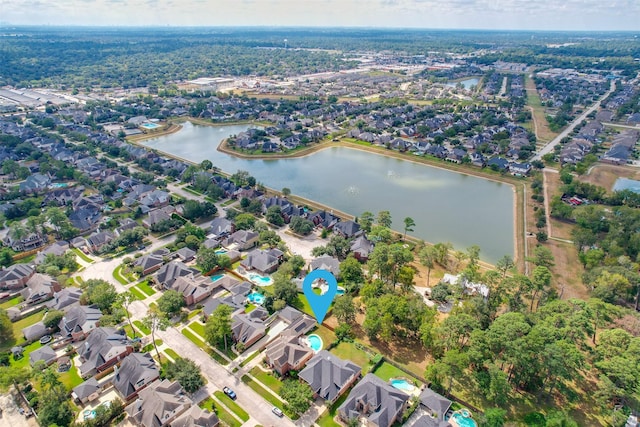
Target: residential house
{"points": [[58, 249], [103, 348], [126, 224], [241, 240], [324, 219], [498, 163], [87, 392], [432, 410], [66, 297], [149, 263], [44, 353], [40, 287], [329, 376], [15, 276], [286, 353], [85, 216], [375, 400], [361, 248], [79, 320], [194, 288], [347, 229], [249, 327], [35, 183], [519, 169], [326, 262], [221, 228], [136, 371], [168, 273], [186, 254], [158, 405], [196, 417], [27, 243], [35, 331], [99, 240], [155, 199], [158, 215], [264, 261]]}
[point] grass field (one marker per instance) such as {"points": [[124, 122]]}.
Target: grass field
{"points": [[138, 324], [326, 419], [146, 288], [197, 327], [12, 302], [137, 293], [386, 371], [224, 416], [233, 406], [194, 339], [250, 358], [348, 351], [172, 354], [19, 326], [262, 392], [267, 379], [71, 378], [117, 274], [82, 256]]}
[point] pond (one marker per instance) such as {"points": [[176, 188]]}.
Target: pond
{"points": [[446, 206], [627, 184], [467, 83]]}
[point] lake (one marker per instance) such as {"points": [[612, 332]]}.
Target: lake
{"points": [[446, 206], [467, 83], [627, 184]]}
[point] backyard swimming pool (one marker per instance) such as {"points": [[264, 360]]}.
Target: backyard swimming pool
{"points": [[256, 298], [149, 125], [217, 277], [464, 419], [260, 280], [402, 384], [315, 342]]}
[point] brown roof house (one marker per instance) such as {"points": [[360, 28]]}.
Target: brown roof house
{"points": [[159, 404]]}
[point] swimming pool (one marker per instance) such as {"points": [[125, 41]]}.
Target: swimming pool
{"points": [[221, 251], [260, 280], [463, 421], [340, 291], [256, 298], [402, 384], [88, 414], [315, 342], [217, 277], [149, 125], [59, 185]]}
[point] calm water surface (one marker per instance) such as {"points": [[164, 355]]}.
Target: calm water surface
{"points": [[446, 206]]}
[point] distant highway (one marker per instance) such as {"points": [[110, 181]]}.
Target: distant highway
{"points": [[549, 147]]}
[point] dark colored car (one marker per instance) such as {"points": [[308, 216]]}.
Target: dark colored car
{"points": [[229, 392]]}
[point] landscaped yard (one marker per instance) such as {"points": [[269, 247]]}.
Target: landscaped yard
{"points": [[224, 416], [146, 288], [326, 334], [262, 392], [138, 324], [117, 274], [326, 419], [194, 339], [386, 371], [71, 378], [82, 255], [24, 361], [267, 379], [197, 327], [172, 354], [137, 293], [12, 302], [348, 351], [303, 305], [235, 408], [19, 326]]}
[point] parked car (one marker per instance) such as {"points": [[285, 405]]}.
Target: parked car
{"points": [[277, 411], [229, 392]]}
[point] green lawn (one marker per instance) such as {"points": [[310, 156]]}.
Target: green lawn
{"points": [[117, 274], [194, 313], [146, 288], [229, 202], [386, 371], [137, 293], [224, 416], [197, 341], [128, 331], [262, 392], [12, 302], [326, 334], [24, 361], [348, 351], [82, 256], [267, 379], [303, 305], [235, 408], [250, 358], [172, 354], [19, 326], [326, 419], [197, 327], [71, 378], [249, 308], [138, 324]]}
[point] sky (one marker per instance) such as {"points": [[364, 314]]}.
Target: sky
{"points": [[588, 15]]}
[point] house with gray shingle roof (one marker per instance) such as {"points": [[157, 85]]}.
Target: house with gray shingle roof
{"points": [[45, 353], [241, 240], [40, 287], [103, 348], [249, 327], [221, 228], [328, 263], [64, 298], [196, 417], [35, 331], [58, 249], [286, 353], [149, 263], [347, 228], [168, 273], [264, 261], [99, 239], [35, 183], [329, 376], [15, 276], [159, 404], [87, 391], [361, 248], [375, 400], [435, 407], [136, 371], [194, 288], [79, 320]]}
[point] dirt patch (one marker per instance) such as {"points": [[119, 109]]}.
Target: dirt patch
{"points": [[541, 126], [568, 270], [9, 415], [606, 175]]}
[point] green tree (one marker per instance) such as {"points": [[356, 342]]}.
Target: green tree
{"points": [[300, 225], [155, 321], [344, 309], [409, 223], [186, 372], [206, 165], [505, 264], [493, 417], [283, 288], [245, 221], [6, 328], [124, 302], [207, 260], [52, 318], [171, 302], [218, 327], [384, 219], [298, 396], [351, 272], [366, 221], [427, 256], [274, 216], [101, 293], [542, 256], [286, 191]]}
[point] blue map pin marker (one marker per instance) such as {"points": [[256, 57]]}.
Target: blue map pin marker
{"points": [[320, 303]]}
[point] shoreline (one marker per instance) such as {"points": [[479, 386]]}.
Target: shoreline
{"points": [[518, 187]]}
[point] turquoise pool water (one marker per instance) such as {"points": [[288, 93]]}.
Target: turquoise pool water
{"points": [[260, 280], [221, 251], [401, 384], [340, 291], [315, 342], [256, 298], [88, 415], [149, 125], [59, 185], [464, 421], [217, 277]]}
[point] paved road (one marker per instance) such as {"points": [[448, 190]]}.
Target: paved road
{"points": [[550, 146]]}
